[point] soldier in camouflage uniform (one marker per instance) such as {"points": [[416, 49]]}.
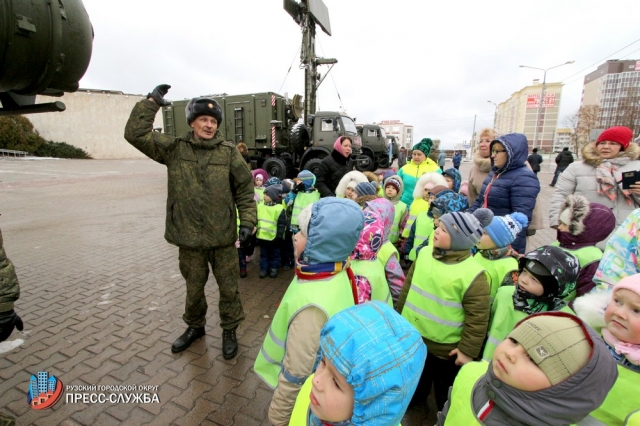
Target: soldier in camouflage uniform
{"points": [[9, 293], [208, 179]]}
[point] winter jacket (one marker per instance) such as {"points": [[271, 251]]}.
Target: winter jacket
{"points": [[353, 176], [479, 171], [456, 176], [456, 160], [410, 174], [564, 159], [475, 302], [332, 168], [402, 158], [591, 223], [442, 159], [367, 248], [535, 160], [328, 240], [207, 180], [392, 269], [9, 287], [565, 403], [511, 188], [580, 178], [620, 257]]}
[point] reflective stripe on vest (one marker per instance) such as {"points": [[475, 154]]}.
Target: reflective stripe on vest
{"points": [[373, 271], [260, 193], [460, 410], [424, 229], [302, 200], [434, 309], [400, 209], [385, 253], [585, 256], [268, 221], [622, 404], [300, 413], [418, 206], [497, 270], [503, 319], [331, 296]]}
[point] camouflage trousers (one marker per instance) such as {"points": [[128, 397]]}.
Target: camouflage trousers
{"points": [[194, 266], [6, 420]]}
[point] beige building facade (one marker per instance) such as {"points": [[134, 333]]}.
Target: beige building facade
{"points": [[608, 85], [93, 121], [403, 132], [563, 139], [519, 114]]}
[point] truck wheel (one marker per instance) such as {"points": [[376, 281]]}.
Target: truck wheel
{"points": [[384, 162], [365, 163], [312, 165], [275, 167], [299, 138]]}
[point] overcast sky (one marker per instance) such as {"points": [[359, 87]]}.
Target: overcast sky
{"points": [[433, 64]]}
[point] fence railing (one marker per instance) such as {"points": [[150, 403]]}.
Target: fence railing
{"points": [[13, 153]]}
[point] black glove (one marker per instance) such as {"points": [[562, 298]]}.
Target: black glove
{"points": [[245, 233], [300, 187], [9, 320], [158, 94]]}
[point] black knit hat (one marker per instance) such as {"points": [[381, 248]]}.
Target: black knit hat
{"points": [[203, 106]]}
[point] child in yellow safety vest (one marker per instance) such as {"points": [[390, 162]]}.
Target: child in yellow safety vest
{"points": [[494, 249], [552, 369], [544, 278], [370, 362], [272, 223], [581, 226], [259, 179], [388, 255], [347, 186], [393, 188], [616, 314], [324, 284], [446, 297]]}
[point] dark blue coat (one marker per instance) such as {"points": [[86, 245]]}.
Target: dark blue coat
{"points": [[514, 187], [456, 160]]}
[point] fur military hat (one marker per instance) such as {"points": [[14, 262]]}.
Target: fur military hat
{"points": [[203, 106]]}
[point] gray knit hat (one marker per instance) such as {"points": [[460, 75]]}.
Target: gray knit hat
{"points": [[365, 188], [557, 342], [464, 229]]}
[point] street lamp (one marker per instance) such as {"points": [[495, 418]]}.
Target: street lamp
{"points": [[544, 81], [495, 116]]}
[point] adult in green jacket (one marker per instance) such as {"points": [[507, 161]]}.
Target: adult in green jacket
{"points": [[207, 180], [420, 164]]}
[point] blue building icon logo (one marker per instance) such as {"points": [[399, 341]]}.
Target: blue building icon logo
{"points": [[44, 391]]}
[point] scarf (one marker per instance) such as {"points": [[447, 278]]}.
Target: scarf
{"points": [[484, 164], [530, 304], [606, 180], [499, 253], [630, 351], [321, 271]]}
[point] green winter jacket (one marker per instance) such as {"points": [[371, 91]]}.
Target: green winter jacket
{"points": [[207, 179], [9, 287]]}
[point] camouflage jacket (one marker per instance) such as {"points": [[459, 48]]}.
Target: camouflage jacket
{"points": [[207, 180], [9, 288]]}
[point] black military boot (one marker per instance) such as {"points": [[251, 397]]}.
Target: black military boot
{"points": [[188, 337], [229, 344]]}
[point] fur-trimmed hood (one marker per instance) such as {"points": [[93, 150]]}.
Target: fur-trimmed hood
{"points": [[589, 223], [590, 308], [484, 164], [433, 177], [352, 176], [395, 199], [590, 153]]}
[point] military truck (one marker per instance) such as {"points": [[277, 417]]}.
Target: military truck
{"points": [[268, 124], [45, 49], [374, 146]]}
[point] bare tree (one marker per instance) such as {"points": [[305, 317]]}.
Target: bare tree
{"points": [[571, 122], [588, 119]]}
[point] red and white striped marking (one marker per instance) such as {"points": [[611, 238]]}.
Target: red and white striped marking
{"points": [[273, 100], [273, 136]]}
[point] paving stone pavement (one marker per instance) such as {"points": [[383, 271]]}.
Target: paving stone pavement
{"points": [[102, 299]]}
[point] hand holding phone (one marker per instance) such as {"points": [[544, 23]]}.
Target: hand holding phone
{"points": [[630, 178]]}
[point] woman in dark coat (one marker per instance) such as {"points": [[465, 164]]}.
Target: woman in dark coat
{"points": [[334, 167]]}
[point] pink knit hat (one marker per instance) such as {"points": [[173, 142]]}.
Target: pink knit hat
{"points": [[618, 134], [631, 283]]}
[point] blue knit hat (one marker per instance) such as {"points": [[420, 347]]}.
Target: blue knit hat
{"points": [[272, 181], [503, 230], [365, 188], [465, 229], [308, 178]]}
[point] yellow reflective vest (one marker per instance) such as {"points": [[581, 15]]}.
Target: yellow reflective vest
{"points": [[302, 200], [331, 296], [424, 229], [268, 221], [497, 270], [400, 209], [622, 404], [418, 206], [586, 256], [374, 273], [460, 402], [260, 193], [434, 302]]}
